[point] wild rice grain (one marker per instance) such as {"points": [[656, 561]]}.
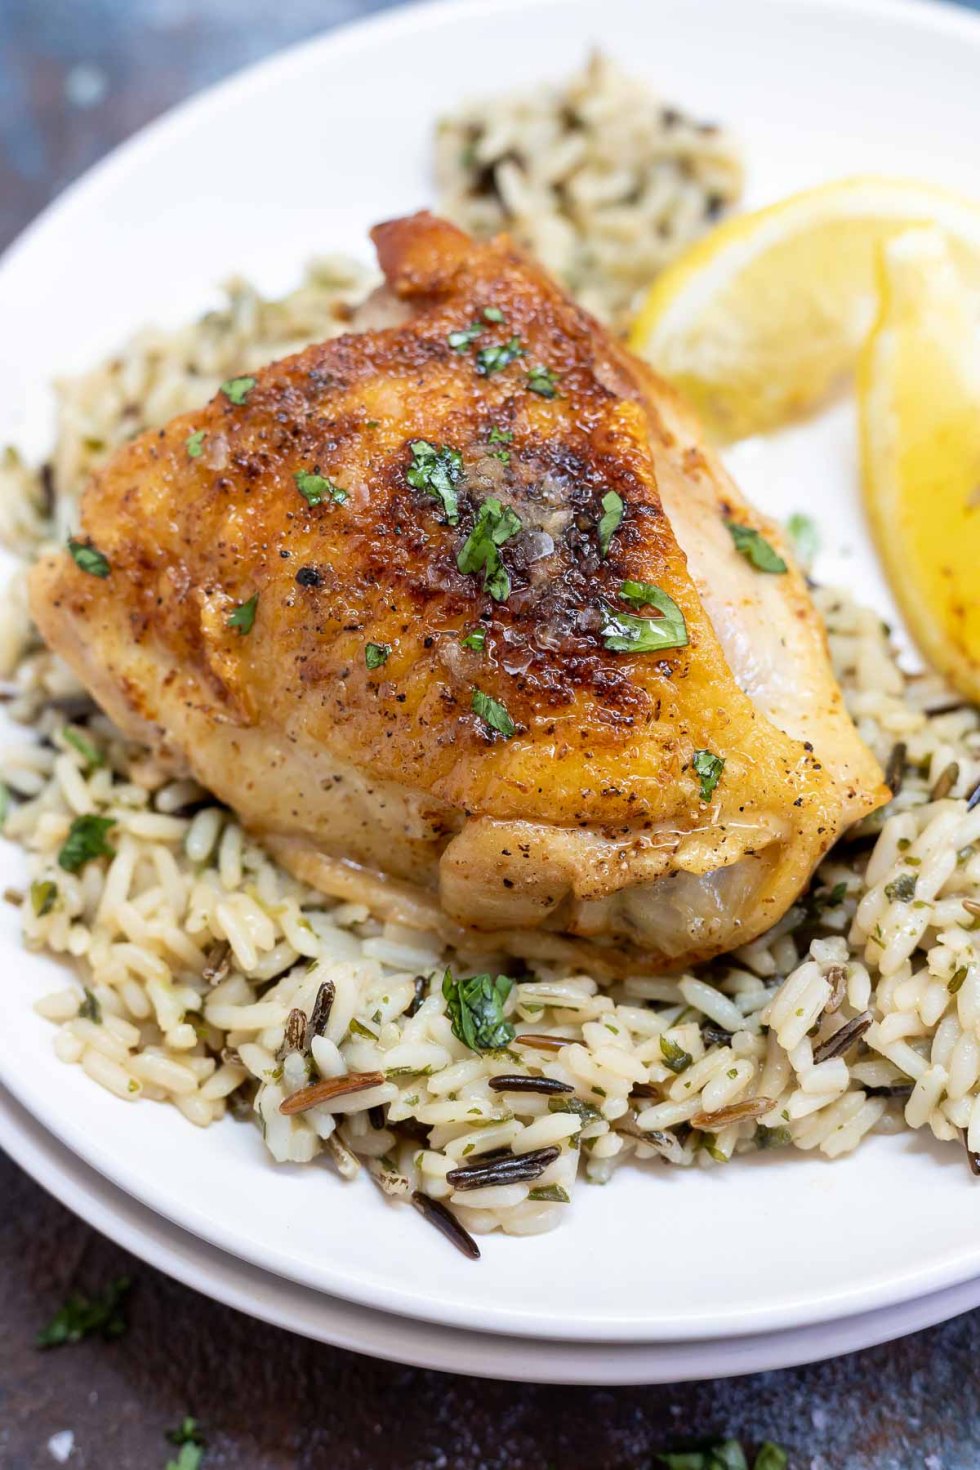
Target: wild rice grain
{"points": [[511, 1169], [218, 965], [446, 1223], [895, 768], [328, 1089], [836, 975], [947, 780], [752, 1107], [322, 1006], [546, 1085], [540, 1042], [842, 1040], [294, 1036]]}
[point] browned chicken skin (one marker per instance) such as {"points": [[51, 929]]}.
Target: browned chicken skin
{"points": [[342, 724]]}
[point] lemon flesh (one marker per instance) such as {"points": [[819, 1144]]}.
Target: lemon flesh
{"points": [[759, 322], [919, 413]]}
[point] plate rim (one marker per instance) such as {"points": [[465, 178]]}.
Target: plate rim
{"points": [[380, 28]]}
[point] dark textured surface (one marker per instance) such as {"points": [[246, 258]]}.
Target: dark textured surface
{"points": [[267, 1400], [76, 76]]}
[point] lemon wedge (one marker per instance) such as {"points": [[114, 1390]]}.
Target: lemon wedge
{"points": [[763, 318], [919, 411]]}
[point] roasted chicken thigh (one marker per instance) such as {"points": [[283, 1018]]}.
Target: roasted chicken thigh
{"points": [[461, 616]]}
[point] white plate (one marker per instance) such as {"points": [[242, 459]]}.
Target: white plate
{"points": [[301, 155], [485, 1355]]}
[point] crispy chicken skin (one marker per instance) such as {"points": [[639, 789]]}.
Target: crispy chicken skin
{"points": [[584, 833]]}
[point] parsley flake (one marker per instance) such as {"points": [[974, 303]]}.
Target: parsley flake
{"points": [[463, 339], [495, 524], [902, 889], [187, 1437], [376, 654], [243, 617], [493, 714], [82, 1316], [612, 519], [437, 472], [725, 1454], [755, 548], [500, 436], [194, 443], [708, 768], [805, 538], [92, 757], [543, 381], [624, 633], [88, 558], [86, 840], [490, 360], [476, 1010], [315, 489], [675, 1057], [44, 896], [89, 1009], [475, 639], [236, 390]]}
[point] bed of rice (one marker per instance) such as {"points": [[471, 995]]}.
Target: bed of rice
{"points": [[208, 978], [596, 176]]}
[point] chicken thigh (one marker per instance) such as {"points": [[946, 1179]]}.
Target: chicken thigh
{"points": [[464, 620]]}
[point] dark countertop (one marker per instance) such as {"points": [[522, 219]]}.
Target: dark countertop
{"points": [[76, 76]]}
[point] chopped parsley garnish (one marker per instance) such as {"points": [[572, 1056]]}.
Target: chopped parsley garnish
{"points": [[490, 360], [475, 639], [493, 714], [805, 538], [755, 548], [463, 339], [437, 472], [376, 654], [612, 519], [243, 617], [87, 558], [551, 1192], [771, 1137], [194, 443], [236, 390], [476, 1010], [89, 1009], [708, 768], [586, 1111], [190, 1445], [624, 633], [315, 489], [86, 840], [92, 757], [543, 381], [902, 888], [675, 1057], [44, 896], [725, 1454], [494, 525], [83, 1316], [492, 314], [500, 436]]}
